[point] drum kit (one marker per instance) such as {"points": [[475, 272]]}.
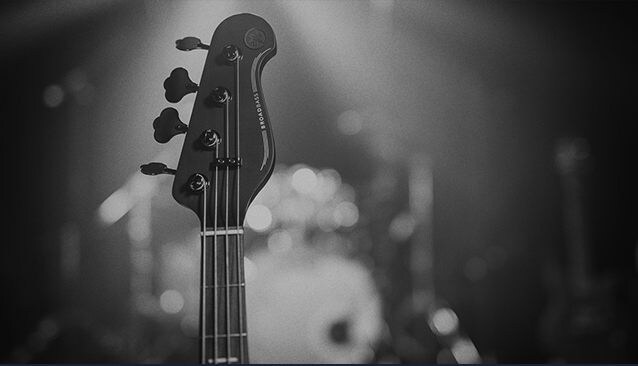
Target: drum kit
{"points": [[333, 274], [320, 283], [310, 300]]}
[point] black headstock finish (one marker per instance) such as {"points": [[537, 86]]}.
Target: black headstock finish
{"points": [[229, 99]]}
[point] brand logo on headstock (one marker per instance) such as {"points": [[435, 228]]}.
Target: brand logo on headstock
{"points": [[262, 125], [260, 111], [254, 38]]}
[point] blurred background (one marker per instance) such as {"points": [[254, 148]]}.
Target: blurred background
{"points": [[455, 183]]}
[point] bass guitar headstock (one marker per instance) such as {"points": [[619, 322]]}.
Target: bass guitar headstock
{"points": [[228, 152]]}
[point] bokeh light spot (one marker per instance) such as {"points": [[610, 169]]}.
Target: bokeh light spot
{"points": [[350, 122], [171, 301], [444, 321], [304, 180], [114, 207], [402, 226], [259, 218], [346, 214], [53, 96]]}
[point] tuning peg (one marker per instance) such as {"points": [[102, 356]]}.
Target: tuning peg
{"points": [[168, 125], [178, 84], [190, 43], [156, 169]]}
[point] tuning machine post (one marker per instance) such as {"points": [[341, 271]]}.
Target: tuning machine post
{"points": [[231, 53]]}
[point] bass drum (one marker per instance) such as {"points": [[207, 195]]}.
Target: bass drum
{"points": [[305, 306]]}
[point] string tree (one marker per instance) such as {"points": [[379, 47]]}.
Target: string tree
{"points": [[190, 43], [179, 84], [168, 125]]}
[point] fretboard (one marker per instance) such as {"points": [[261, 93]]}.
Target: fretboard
{"points": [[223, 319]]}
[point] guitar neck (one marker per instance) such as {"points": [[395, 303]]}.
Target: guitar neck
{"points": [[223, 336]]}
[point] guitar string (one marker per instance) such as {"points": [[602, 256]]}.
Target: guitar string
{"points": [[226, 244], [240, 258], [204, 273], [243, 340], [214, 289], [238, 241], [202, 290]]}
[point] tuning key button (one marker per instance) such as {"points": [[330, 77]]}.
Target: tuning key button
{"points": [[168, 125], [190, 43], [156, 169], [178, 84], [220, 95], [231, 53]]}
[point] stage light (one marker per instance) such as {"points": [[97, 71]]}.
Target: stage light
{"points": [[402, 226], [171, 301], [464, 351], [444, 321], [53, 96], [259, 218], [304, 180], [346, 214], [114, 207]]}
